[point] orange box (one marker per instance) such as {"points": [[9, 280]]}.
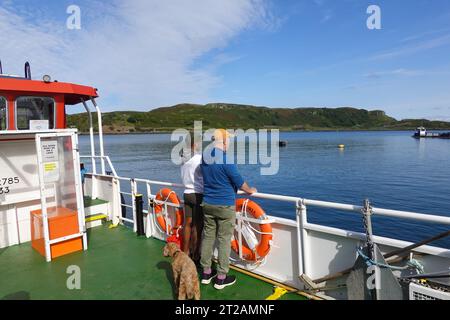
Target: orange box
{"points": [[62, 222]]}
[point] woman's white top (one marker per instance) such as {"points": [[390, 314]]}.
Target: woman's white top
{"points": [[191, 175]]}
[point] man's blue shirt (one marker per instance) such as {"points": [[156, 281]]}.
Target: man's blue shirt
{"points": [[221, 179]]}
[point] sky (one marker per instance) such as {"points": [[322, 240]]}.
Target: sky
{"points": [[144, 54]]}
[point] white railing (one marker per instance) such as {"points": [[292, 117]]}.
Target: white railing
{"points": [[356, 208], [298, 201], [91, 134], [301, 222], [102, 159]]}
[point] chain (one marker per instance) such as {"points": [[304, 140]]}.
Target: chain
{"points": [[367, 212]]}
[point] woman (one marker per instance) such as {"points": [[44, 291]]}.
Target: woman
{"points": [[192, 179]]}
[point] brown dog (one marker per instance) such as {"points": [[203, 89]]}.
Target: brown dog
{"points": [[184, 273]]}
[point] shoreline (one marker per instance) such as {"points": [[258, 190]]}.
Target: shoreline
{"points": [[281, 130]]}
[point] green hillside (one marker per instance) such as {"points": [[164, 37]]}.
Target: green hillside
{"points": [[221, 115]]}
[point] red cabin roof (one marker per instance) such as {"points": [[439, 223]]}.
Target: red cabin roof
{"points": [[73, 93]]}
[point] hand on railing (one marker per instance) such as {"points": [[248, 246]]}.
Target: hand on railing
{"points": [[247, 189]]}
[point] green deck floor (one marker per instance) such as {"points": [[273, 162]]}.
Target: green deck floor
{"points": [[117, 265], [89, 202]]}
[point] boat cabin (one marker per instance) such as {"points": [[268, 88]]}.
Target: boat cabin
{"points": [[420, 132], [27, 104], [40, 165]]}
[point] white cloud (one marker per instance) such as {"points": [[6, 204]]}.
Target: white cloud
{"points": [[425, 34], [326, 11], [415, 48], [139, 53], [397, 72]]}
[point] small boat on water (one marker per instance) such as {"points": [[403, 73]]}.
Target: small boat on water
{"points": [[48, 212], [421, 133]]}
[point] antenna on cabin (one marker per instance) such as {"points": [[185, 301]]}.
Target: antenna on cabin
{"points": [[27, 71]]}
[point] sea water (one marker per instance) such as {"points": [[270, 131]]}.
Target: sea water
{"points": [[391, 169]]}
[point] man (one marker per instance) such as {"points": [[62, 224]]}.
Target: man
{"points": [[221, 181]]}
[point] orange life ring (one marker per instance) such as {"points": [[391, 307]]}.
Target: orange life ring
{"points": [[263, 248], [167, 195]]}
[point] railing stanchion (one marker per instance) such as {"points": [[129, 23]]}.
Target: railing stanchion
{"points": [[91, 136], [301, 236], [133, 201], [304, 257], [240, 237], [100, 134], [149, 231], [139, 204]]}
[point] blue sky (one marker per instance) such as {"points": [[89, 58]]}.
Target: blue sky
{"points": [[147, 54], [323, 55]]}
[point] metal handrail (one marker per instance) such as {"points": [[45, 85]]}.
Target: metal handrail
{"points": [[432, 218], [113, 170], [300, 221], [91, 135], [100, 134], [355, 208]]}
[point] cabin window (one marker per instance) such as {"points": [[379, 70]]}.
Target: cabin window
{"points": [[35, 108], [3, 113]]}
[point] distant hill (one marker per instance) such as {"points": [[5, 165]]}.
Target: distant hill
{"points": [[223, 115]]}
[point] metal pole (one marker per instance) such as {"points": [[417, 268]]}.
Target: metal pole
{"points": [[301, 237], [240, 237], [113, 170], [100, 135], [133, 201], [91, 135], [139, 215], [149, 226], [48, 255], [123, 209], [78, 190]]}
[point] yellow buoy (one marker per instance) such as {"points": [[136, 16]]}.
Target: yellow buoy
{"points": [[341, 146]]}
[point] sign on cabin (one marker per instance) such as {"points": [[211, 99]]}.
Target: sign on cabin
{"points": [[38, 125], [50, 160]]}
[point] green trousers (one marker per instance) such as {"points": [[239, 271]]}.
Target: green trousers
{"points": [[219, 222]]}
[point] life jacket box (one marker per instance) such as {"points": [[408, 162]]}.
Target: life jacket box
{"points": [[62, 222]]}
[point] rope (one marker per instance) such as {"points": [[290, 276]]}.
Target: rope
{"points": [[258, 261], [413, 263], [165, 213], [256, 264], [244, 213]]}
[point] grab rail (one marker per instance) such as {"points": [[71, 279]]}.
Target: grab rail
{"points": [[433, 218], [102, 158], [300, 222]]}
